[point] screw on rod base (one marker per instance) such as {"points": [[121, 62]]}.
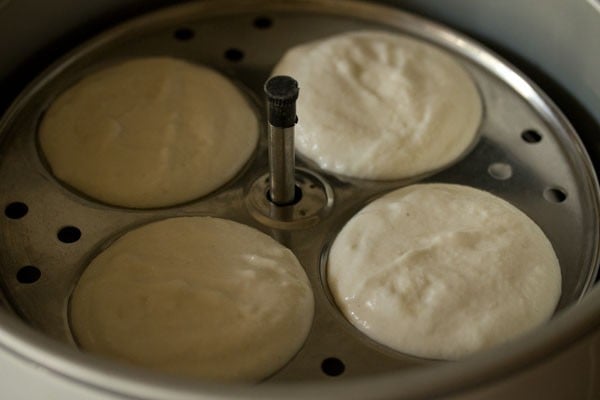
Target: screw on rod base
{"points": [[282, 93]]}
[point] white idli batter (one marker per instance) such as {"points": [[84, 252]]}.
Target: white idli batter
{"points": [[198, 297], [149, 132], [441, 271], [378, 105]]}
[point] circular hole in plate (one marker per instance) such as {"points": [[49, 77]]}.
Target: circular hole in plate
{"points": [[184, 34], [531, 136], [262, 22], [234, 55], [28, 274], [333, 366], [69, 234], [16, 210], [297, 196], [555, 195], [500, 171]]}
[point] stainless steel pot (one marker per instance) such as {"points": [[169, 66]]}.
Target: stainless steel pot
{"points": [[562, 360]]}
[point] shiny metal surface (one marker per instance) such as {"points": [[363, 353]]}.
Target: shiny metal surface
{"points": [[282, 93], [513, 105], [282, 164], [312, 207]]}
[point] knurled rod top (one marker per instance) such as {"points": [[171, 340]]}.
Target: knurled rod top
{"points": [[282, 93]]}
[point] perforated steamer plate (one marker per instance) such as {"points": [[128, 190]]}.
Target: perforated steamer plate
{"points": [[526, 153]]}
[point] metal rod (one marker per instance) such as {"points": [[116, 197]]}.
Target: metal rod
{"points": [[282, 93], [281, 165]]}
